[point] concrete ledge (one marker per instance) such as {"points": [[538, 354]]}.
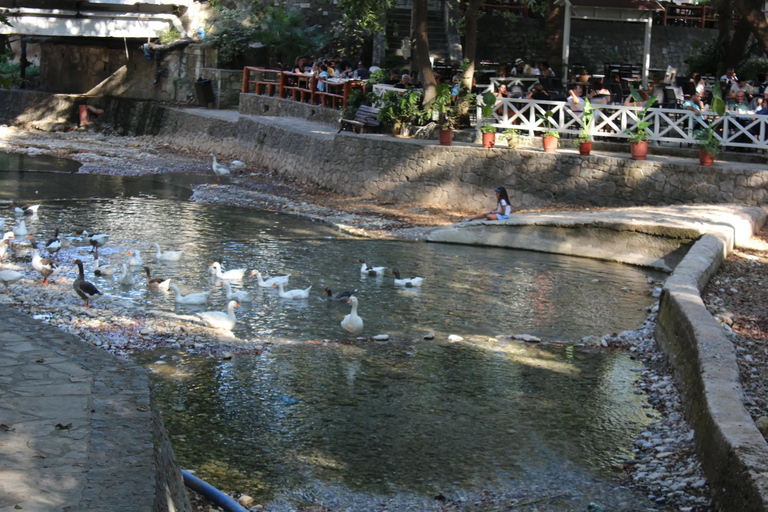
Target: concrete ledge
{"points": [[732, 450]]}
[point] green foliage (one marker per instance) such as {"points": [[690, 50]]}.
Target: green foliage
{"points": [[487, 128], [639, 132], [512, 136], [706, 137], [441, 104], [360, 20], [354, 101], [285, 34], [379, 76], [489, 100], [587, 116], [231, 33], [6, 82], [170, 35], [399, 109], [706, 57], [547, 117], [751, 69]]}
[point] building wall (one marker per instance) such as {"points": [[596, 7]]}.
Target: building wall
{"points": [[592, 42]]}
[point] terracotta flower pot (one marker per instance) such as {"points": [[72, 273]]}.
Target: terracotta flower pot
{"points": [[446, 137], [550, 144], [585, 148], [706, 158], [639, 150], [489, 140]]}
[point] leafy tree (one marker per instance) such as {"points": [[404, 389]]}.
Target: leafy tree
{"points": [[231, 32], [361, 20], [286, 35], [7, 81]]}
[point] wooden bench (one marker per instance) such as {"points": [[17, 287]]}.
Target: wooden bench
{"points": [[365, 117]]}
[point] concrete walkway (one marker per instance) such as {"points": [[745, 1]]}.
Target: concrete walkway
{"points": [[76, 425]]}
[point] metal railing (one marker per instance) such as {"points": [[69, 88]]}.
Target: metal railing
{"points": [[612, 122]]}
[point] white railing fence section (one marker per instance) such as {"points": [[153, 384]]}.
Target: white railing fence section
{"points": [[612, 121]]}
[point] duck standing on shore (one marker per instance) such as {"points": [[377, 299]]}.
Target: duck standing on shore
{"points": [[86, 290], [219, 169], [8, 277]]}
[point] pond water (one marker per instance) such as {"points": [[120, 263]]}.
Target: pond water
{"points": [[370, 425]]}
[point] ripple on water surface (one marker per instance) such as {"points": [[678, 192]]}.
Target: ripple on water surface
{"points": [[356, 425]]}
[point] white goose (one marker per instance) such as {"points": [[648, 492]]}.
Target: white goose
{"points": [[167, 255], [102, 270], [292, 294], [126, 279], [352, 323], [239, 296], [219, 169], [192, 298], [8, 277], [371, 271], [237, 165], [26, 210], [413, 282], [219, 319], [20, 229], [135, 260], [230, 275], [271, 281]]}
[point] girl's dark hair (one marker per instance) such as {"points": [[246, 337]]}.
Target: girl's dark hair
{"points": [[503, 194]]}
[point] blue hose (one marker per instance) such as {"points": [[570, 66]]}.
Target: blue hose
{"points": [[212, 494]]}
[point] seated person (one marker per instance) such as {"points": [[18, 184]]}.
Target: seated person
{"points": [[694, 104], [599, 94], [455, 88], [519, 68], [500, 93], [363, 73], [739, 104], [545, 70], [736, 87], [574, 101], [538, 92], [394, 78], [759, 101], [329, 68], [630, 101], [405, 82]]}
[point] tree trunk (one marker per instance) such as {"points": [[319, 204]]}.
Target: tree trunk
{"points": [[734, 55], [555, 19], [419, 15], [751, 11], [470, 41]]}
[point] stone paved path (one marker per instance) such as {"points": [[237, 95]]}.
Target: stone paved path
{"points": [[76, 424]]}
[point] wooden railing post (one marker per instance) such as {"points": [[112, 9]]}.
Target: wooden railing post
{"points": [[280, 91], [245, 79], [347, 89]]}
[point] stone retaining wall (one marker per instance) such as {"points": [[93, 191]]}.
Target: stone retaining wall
{"points": [[732, 449], [258, 105], [422, 172]]}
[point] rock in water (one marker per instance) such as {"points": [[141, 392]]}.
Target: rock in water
{"points": [[381, 337], [528, 338], [453, 338]]}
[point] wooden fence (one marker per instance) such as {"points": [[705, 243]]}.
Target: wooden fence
{"points": [[329, 92]]}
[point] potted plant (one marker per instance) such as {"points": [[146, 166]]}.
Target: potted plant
{"points": [[584, 141], [706, 136], [489, 132], [550, 137], [512, 136], [445, 121], [400, 110], [639, 134]]}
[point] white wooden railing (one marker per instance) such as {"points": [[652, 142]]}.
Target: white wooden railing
{"points": [[612, 121]]}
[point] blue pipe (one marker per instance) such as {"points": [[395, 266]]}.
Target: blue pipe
{"points": [[212, 494]]}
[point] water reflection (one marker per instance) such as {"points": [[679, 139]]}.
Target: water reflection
{"points": [[343, 425]]}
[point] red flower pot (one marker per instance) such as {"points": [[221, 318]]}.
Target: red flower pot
{"points": [[446, 137], [705, 158], [489, 140], [550, 144], [639, 150], [585, 148]]}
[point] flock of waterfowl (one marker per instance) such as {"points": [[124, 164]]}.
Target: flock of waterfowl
{"points": [[49, 268]]}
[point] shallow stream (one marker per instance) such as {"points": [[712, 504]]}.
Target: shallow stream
{"points": [[370, 425]]}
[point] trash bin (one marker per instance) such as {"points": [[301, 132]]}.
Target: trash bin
{"points": [[204, 91]]}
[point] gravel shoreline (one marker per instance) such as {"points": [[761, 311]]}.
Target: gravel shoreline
{"points": [[665, 467]]}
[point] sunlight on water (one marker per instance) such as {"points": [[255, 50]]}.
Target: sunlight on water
{"points": [[350, 425]]}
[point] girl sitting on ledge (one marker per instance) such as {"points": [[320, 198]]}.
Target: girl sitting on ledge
{"points": [[502, 211]]}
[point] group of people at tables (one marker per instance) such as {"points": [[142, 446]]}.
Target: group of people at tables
{"points": [[741, 96]]}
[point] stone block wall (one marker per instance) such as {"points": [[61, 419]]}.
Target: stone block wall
{"points": [[227, 85], [257, 105], [592, 42]]}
